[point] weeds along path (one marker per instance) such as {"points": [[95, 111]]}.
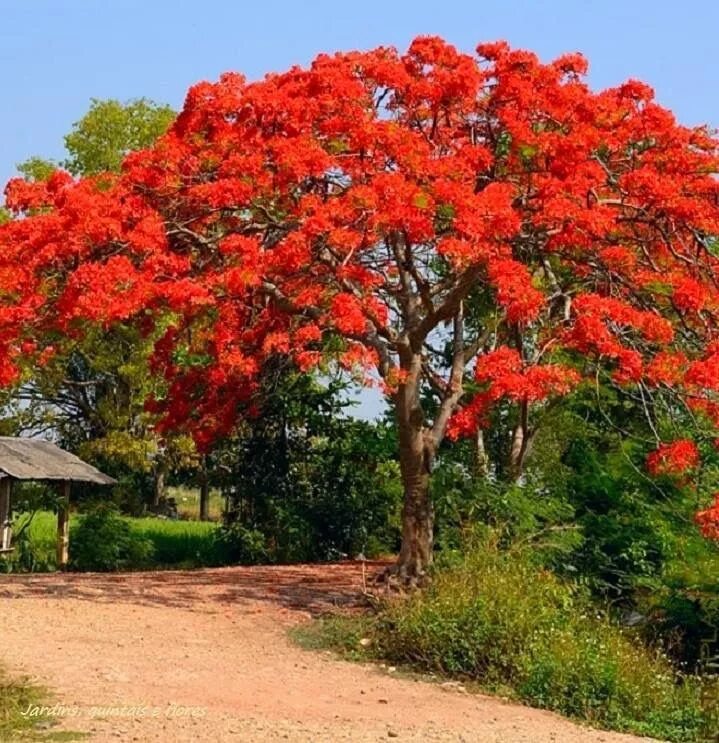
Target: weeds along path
{"points": [[204, 656]]}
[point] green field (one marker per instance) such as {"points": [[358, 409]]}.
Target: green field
{"points": [[176, 543]]}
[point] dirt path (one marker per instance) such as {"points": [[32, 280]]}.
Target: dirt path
{"points": [[204, 656]]}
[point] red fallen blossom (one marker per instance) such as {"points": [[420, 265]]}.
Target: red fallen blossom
{"points": [[675, 458]]}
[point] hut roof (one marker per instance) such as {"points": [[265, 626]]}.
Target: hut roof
{"points": [[34, 459]]}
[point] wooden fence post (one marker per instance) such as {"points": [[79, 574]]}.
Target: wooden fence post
{"points": [[63, 525]]}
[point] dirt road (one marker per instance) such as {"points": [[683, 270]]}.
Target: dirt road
{"points": [[204, 656]]}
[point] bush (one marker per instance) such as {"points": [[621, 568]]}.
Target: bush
{"points": [[153, 543], [316, 484], [102, 540], [494, 617], [236, 544], [592, 515]]}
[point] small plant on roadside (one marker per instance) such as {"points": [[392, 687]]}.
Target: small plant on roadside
{"points": [[236, 544], [15, 697]]}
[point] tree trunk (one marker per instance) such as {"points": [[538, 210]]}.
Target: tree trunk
{"points": [[159, 489], [415, 555], [204, 492], [521, 443], [515, 453], [416, 452], [481, 458]]}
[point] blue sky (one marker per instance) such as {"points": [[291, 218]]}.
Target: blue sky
{"points": [[57, 54]]}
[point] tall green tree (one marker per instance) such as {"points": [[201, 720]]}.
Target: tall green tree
{"points": [[110, 130], [314, 482]]}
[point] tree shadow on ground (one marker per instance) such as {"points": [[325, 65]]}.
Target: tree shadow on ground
{"points": [[316, 589]]}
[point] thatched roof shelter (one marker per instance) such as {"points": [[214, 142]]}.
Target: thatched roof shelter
{"points": [[33, 459], [42, 461]]}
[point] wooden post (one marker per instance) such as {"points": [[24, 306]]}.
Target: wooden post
{"points": [[5, 524], [63, 525]]}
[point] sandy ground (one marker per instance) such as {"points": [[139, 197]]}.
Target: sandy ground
{"points": [[204, 656]]}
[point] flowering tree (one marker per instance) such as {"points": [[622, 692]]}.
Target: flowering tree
{"points": [[484, 227], [91, 394]]}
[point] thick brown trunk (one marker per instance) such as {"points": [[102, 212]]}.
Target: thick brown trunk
{"points": [[415, 555], [416, 452]]}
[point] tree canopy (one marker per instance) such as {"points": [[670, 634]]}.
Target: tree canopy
{"points": [[485, 228], [91, 395], [111, 129]]}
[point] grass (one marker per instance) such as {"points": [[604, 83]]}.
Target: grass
{"points": [[176, 543], [15, 698], [496, 619]]}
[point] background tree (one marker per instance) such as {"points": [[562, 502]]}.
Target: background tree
{"points": [[315, 483], [37, 168], [483, 232], [111, 129]]}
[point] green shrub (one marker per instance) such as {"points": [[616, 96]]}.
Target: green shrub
{"points": [[593, 516], [237, 544], [683, 608], [317, 484], [102, 540], [496, 618], [152, 542]]}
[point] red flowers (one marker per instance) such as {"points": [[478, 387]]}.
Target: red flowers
{"points": [[708, 519], [689, 294], [505, 377], [515, 291], [673, 459], [347, 315], [459, 221]]}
